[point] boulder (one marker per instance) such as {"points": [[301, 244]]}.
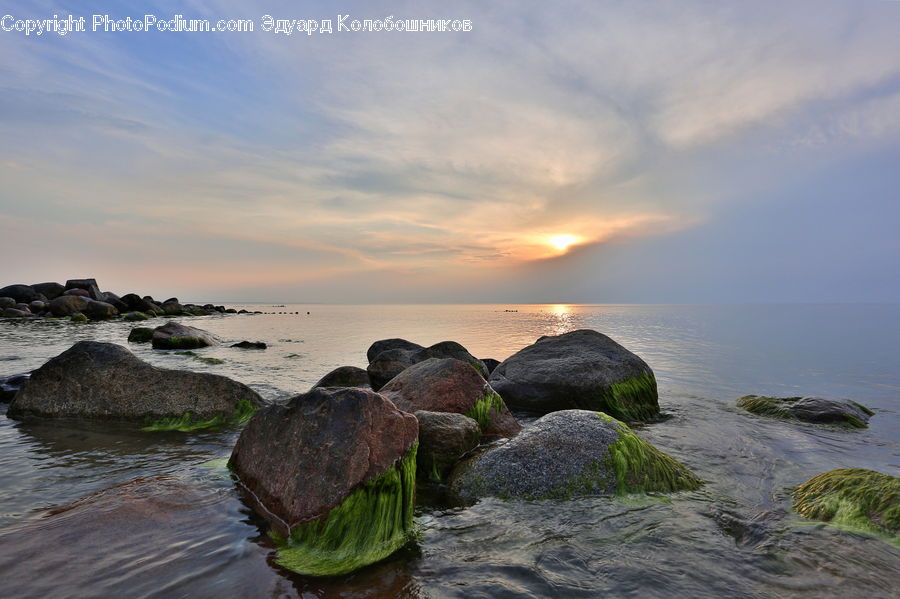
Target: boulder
{"points": [[78, 317], [22, 294], [111, 298], [345, 376], [9, 385], [7, 302], [582, 369], [89, 285], [333, 471], [567, 454], [841, 412], [15, 313], [49, 290], [444, 438], [450, 385], [173, 335], [490, 363], [134, 316], [96, 310], [855, 498], [66, 305], [398, 354], [140, 335], [386, 344], [37, 306], [79, 292], [171, 300], [250, 345], [136, 303], [104, 381], [172, 308]]}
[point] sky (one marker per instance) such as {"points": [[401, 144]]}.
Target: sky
{"points": [[590, 152]]}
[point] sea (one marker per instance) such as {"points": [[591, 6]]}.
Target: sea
{"points": [[735, 537]]}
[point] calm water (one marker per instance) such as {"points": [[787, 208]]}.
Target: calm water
{"points": [[734, 538]]}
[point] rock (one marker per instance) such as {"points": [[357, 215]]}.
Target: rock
{"points": [[9, 385], [89, 285], [386, 344], [233, 311], [104, 381], [809, 409], [250, 345], [345, 376], [582, 369], [135, 316], [333, 470], [173, 335], [136, 303], [37, 306], [171, 300], [449, 385], [444, 438], [78, 317], [15, 313], [79, 292], [398, 354], [22, 294], [490, 363], [7, 302], [66, 305], [111, 298], [23, 307], [864, 500], [172, 308], [140, 335], [49, 290], [96, 310], [571, 453]]}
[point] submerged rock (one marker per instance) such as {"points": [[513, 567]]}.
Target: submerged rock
{"points": [[582, 369], [140, 335], [809, 409], [860, 499], [9, 385], [173, 335], [345, 376], [104, 381], [444, 438], [571, 453], [250, 345], [333, 470], [393, 356], [450, 385], [135, 317]]}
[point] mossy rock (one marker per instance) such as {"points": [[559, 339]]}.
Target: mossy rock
{"points": [[571, 453], [135, 316], [839, 412], [858, 499], [140, 335], [78, 317], [188, 422]]}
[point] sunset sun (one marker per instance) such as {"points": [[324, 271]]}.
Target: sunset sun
{"points": [[562, 242]]}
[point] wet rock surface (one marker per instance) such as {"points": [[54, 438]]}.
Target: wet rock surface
{"points": [[444, 438], [819, 410], [174, 335]]}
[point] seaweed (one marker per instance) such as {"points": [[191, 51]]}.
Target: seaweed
{"points": [[243, 410], [481, 410], [633, 399]]}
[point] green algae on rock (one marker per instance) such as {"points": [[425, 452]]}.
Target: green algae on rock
{"points": [[372, 523], [484, 409], [140, 335], [186, 423], [839, 412], [856, 498], [333, 471], [567, 454]]}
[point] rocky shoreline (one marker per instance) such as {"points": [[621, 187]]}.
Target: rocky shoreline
{"points": [[334, 471]]}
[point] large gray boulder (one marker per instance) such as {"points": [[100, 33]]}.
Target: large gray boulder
{"points": [[567, 454], [89, 285], [23, 294], [582, 369], [333, 470], [393, 356], [345, 376], [104, 381], [49, 290], [819, 410], [173, 335], [66, 305], [450, 385], [444, 438]]}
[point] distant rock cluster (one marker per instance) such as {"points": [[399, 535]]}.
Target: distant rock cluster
{"points": [[82, 300]]}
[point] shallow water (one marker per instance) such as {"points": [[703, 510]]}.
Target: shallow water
{"points": [[736, 537]]}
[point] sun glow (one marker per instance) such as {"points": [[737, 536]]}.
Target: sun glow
{"points": [[562, 242]]}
